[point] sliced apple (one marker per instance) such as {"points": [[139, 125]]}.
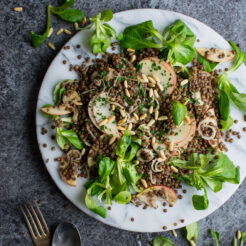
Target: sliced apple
{"points": [[162, 70], [90, 112], [71, 96], [68, 171], [216, 55], [157, 192], [191, 135], [56, 110], [101, 110], [181, 132]]}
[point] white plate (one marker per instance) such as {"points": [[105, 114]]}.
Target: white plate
{"points": [[149, 220]]}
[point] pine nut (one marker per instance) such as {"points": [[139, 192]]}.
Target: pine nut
{"points": [[112, 107], [67, 32], [155, 78], [132, 58], [153, 141], [78, 103], [174, 169], [18, 9], [126, 84], [76, 26], [132, 132], [120, 122], [129, 126], [130, 50], [156, 94], [82, 152], [136, 162], [143, 116], [151, 122], [122, 112], [103, 122], [174, 233], [127, 93], [187, 119], [151, 109], [164, 117], [112, 140], [121, 128], [162, 154], [156, 114], [150, 84], [145, 78], [50, 32], [52, 46], [144, 183], [239, 234], [151, 92], [135, 116], [111, 119], [151, 80], [83, 21], [184, 82], [171, 145], [59, 31], [160, 86]]}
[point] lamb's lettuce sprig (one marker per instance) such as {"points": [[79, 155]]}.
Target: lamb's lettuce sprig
{"points": [[210, 170], [114, 177]]}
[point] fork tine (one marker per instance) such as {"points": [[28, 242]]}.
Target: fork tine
{"points": [[37, 220], [32, 221], [42, 217], [28, 224]]}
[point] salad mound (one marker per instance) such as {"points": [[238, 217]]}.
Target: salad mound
{"points": [[141, 122]]}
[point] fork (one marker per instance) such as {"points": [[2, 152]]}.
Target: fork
{"points": [[36, 228]]}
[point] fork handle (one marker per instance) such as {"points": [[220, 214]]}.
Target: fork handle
{"points": [[44, 243]]}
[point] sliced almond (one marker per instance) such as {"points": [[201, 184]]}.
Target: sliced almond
{"points": [[111, 119], [144, 183]]}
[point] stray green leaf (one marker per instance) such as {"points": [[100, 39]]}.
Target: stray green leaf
{"points": [[162, 241], [216, 236], [226, 124], [179, 111]]}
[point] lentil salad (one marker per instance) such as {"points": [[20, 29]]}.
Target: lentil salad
{"points": [[137, 127]]}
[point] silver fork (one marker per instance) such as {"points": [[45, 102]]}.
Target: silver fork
{"points": [[38, 230]]}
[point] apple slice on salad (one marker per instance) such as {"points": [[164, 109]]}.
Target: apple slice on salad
{"points": [[163, 71], [180, 133], [56, 110], [216, 55], [99, 110], [154, 193]]}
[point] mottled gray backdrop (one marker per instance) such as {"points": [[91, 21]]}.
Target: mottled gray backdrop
{"points": [[23, 176]]}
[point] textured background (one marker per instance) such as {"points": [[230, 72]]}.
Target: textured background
{"points": [[23, 176]]}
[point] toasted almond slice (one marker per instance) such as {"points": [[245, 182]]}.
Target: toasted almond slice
{"points": [[184, 82], [155, 78], [151, 80], [145, 79], [150, 84], [122, 112], [174, 169], [160, 86], [112, 140], [151, 122], [129, 126], [151, 109], [127, 93], [144, 183], [143, 116], [135, 116], [151, 92], [125, 84], [67, 31], [156, 94], [216, 55], [156, 114], [76, 26], [164, 117], [121, 128]]}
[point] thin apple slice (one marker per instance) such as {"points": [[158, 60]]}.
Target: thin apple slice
{"points": [[101, 111], [216, 55], [191, 135], [68, 171], [56, 110], [162, 70], [181, 132], [90, 112], [151, 194]]}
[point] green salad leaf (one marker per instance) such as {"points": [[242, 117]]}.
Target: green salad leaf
{"points": [[234, 241], [224, 105], [216, 236], [243, 236], [162, 241], [116, 177], [141, 36], [59, 90], [101, 39], [211, 170], [179, 111], [191, 232], [70, 136], [208, 65]]}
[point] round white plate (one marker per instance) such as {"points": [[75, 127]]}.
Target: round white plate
{"points": [[149, 220]]}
